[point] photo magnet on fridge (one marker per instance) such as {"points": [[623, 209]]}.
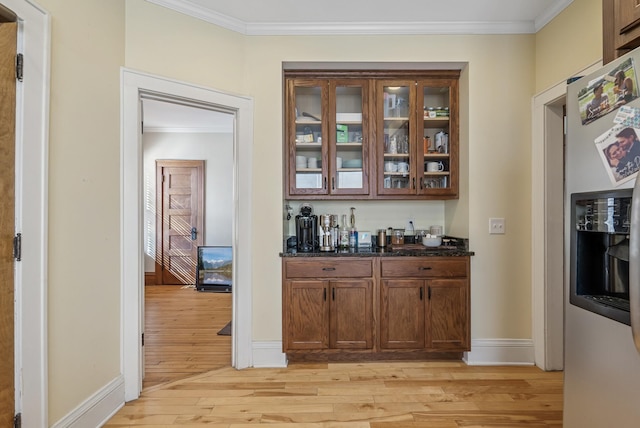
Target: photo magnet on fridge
{"points": [[608, 92], [619, 149]]}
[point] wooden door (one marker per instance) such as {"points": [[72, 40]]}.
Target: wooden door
{"points": [[351, 314], [179, 217], [402, 314], [8, 40], [448, 315], [306, 315]]}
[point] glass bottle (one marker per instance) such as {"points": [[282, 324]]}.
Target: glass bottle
{"points": [[344, 233], [353, 232]]}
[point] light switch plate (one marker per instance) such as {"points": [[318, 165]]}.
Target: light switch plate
{"points": [[496, 226]]}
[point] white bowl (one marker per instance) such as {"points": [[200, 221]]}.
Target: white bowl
{"points": [[433, 241]]}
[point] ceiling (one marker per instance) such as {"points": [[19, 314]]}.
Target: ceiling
{"points": [[166, 116], [307, 17]]}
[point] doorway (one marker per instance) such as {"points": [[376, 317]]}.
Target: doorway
{"points": [[135, 86], [187, 182], [547, 235]]}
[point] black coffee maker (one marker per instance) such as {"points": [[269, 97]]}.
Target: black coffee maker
{"points": [[306, 229]]}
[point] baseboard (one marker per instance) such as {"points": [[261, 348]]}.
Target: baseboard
{"points": [[268, 354], [484, 352], [500, 352], [149, 278], [97, 409]]}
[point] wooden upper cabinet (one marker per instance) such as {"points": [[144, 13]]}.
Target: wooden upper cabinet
{"points": [[327, 137], [417, 134], [371, 135], [621, 27]]}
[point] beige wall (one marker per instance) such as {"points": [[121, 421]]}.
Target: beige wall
{"points": [[500, 74], [569, 43], [166, 43], [87, 49], [501, 83], [91, 39]]}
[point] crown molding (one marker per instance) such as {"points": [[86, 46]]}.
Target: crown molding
{"points": [[188, 8], [362, 28], [550, 13], [389, 28]]}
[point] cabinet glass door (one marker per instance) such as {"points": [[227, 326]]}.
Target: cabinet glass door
{"points": [[348, 151], [437, 156], [395, 136], [307, 137]]}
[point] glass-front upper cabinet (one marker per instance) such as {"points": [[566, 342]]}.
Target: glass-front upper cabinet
{"points": [[396, 138], [437, 166], [306, 107], [327, 137], [349, 145], [417, 132]]}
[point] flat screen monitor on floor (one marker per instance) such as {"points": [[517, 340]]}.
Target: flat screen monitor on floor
{"points": [[214, 270]]}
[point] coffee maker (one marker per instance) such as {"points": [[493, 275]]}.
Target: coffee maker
{"points": [[306, 229]]}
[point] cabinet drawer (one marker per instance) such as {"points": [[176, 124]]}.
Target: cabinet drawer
{"points": [[328, 268], [427, 267]]}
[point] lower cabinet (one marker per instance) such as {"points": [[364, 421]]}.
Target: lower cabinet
{"points": [[402, 314], [424, 314], [378, 307], [328, 314], [327, 304]]}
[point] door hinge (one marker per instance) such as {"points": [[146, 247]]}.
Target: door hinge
{"points": [[17, 421], [19, 66], [17, 247]]}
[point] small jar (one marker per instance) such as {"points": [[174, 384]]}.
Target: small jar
{"points": [[397, 238]]}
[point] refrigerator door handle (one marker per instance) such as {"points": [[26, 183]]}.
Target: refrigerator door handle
{"points": [[634, 265]]}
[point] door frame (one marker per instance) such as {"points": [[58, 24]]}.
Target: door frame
{"points": [[134, 85], [547, 225], [32, 108], [161, 164]]}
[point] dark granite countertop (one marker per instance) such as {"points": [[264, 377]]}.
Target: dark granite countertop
{"points": [[457, 247]]}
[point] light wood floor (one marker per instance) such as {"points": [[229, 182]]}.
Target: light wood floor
{"points": [[350, 395], [181, 333]]}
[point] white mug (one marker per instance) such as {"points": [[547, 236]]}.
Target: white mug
{"points": [[390, 167], [403, 167], [435, 166]]}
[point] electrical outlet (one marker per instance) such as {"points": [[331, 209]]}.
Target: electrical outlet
{"points": [[410, 226], [496, 226]]}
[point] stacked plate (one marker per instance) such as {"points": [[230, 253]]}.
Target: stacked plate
{"points": [[352, 163], [301, 162]]}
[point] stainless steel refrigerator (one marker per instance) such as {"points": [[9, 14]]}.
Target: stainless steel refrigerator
{"points": [[602, 236]]}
